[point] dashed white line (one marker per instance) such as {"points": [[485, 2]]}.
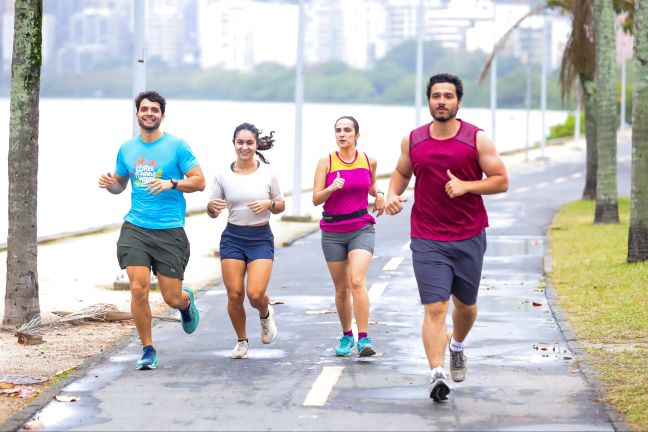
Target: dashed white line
{"points": [[376, 290], [521, 189], [576, 175], [406, 246], [323, 385], [393, 263], [560, 179], [543, 184]]}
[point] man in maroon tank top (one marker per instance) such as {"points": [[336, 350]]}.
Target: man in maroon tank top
{"points": [[454, 163]]}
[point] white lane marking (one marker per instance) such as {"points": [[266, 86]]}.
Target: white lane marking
{"points": [[543, 184], [560, 179], [393, 263], [323, 385], [498, 197], [406, 246], [521, 189], [376, 290], [576, 175]]}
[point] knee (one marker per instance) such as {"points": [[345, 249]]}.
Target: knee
{"points": [[436, 311], [357, 282], [256, 300], [343, 291], [464, 309], [174, 300], [235, 298], [139, 291]]}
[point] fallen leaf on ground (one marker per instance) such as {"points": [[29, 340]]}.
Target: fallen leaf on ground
{"points": [[535, 303], [62, 398], [319, 312], [33, 425], [274, 302], [25, 380]]}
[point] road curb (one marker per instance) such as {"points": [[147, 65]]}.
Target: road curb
{"points": [[583, 360]]}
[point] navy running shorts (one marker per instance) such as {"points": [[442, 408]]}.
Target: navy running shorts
{"points": [[443, 268], [247, 243]]}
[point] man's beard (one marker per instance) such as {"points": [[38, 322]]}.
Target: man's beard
{"points": [[152, 128], [450, 115]]}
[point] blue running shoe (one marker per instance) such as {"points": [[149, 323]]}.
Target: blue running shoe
{"points": [[149, 359], [365, 347], [346, 343], [190, 316]]}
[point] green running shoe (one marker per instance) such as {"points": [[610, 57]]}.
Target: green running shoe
{"points": [[149, 359], [190, 317], [346, 343], [365, 347]]}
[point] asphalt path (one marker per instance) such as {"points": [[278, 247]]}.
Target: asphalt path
{"points": [[522, 375]]}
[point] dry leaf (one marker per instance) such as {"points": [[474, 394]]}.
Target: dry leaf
{"points": [[62, 398], [33, 425], [6, 385], [275, 302], [535, 303], [319, 312]]}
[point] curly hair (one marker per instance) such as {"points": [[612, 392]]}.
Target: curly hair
{"points": [[153, 96], [446, 78], [263, 142]]}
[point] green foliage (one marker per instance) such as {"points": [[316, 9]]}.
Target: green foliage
{"points": [[390, 81], [567, 129]]}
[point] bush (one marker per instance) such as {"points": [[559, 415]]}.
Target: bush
{"points": [[567, 129]]}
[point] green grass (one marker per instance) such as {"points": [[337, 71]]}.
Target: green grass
{"points": [[605, 300]]}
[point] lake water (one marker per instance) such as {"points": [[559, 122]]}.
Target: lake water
{"points": [[79, 139]]}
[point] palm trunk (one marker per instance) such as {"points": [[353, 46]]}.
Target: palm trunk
{"points": [[589, 93], [21, 297], [638, 232], [607, 205]]}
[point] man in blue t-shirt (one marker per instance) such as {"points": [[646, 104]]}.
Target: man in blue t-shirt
{"points": [[161, 168]]}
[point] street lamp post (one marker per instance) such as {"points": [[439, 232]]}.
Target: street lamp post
{"points": [[419, 62], [139, 53]]}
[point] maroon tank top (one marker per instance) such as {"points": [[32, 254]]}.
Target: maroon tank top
{"points": [[436, 216]]}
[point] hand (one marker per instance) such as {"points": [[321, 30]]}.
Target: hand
{"points": [[156, 186], [379, 204], [260, 206], [394, 204], [106, 180], [455, 187], [215, 207], [338, 183]]}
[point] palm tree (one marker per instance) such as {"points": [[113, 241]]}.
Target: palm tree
{"points": [[21, 297], [638, 232], [607, 205], [578, 63]]}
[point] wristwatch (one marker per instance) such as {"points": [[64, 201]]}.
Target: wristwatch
{"points": [[174, 183], [272, 204]]}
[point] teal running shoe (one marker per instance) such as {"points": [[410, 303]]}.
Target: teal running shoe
{"points": [[149, 359], [365, 347], [346, 343], [190, 317]]}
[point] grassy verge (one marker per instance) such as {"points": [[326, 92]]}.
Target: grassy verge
{"points": [[605, 301]]}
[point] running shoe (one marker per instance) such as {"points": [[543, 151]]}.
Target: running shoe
{"points": [[365, 347], [268, 327], [240, 350], [439, 388], [458, 365], [190, 316], [149, 359], [346, 343]]}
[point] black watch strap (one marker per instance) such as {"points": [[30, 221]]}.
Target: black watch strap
{"points": [[174, 183]]}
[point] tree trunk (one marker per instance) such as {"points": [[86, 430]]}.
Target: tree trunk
{"points": [[607, 205], [589, 93], [638, 232], [21, 297]]}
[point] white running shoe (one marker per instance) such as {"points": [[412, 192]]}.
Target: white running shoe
{"points": [[439, 388], [240, 350], [268, 327]]}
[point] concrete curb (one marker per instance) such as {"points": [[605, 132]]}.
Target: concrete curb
{"points": [[15, 422], [583, 360]]}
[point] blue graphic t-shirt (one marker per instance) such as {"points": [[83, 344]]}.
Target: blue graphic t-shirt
{"points": [[166, 158]]}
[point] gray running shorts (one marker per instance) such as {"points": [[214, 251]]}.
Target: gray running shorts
{"points": [[337, 245], [166, 251], [444, 268]]}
